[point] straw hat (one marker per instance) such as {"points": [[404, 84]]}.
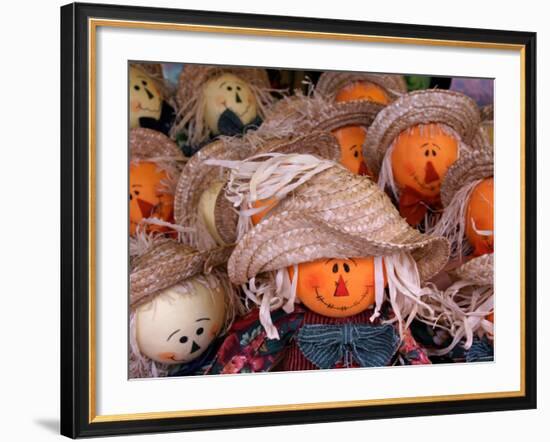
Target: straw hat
{"points": [[166, 264], [196, 177], [150, 145], [190, 90], [156, 73], [472, 166], [300, 114], [478, 270], [330, 83], [452, 109], [333, 214]]}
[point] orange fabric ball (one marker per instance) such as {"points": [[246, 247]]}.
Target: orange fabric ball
{"points": [[363, 90], [479, 211], [351, 139], [491, 317], [148, 198], [421, 157], [336, 288]]}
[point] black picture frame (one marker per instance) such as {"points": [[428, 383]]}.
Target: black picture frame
{"points": [[75, 197]]}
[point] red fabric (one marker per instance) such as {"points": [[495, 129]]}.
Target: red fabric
{"points": [[413, 205]]}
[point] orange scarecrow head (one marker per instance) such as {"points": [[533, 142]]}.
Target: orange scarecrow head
{"points": [[363, 90], [148, 197], [479, 218], [351, 139]]}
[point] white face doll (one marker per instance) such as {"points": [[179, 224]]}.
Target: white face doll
{"points": [[145, 98], [179, 324], [228, 99]]}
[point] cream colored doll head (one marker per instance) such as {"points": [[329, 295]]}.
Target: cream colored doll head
{"points": [[228, 92], [180, 323], [145, 97], [179, 303]]}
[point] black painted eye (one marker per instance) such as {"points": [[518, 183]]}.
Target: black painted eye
{"points": [[136, 87], [229, 88], [183, 339], [130, 197], [433, 153], [346, 268], [427, 153], [143, 82], [356, 154], [200, 331], [335, 268], [238, 88], [136, 192]]}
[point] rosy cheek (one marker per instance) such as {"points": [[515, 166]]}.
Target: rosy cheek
{"points": [[409, 168], [250, 99], [313, 281], [167, 356], [220, 100], [214, 330], [135, 105]]}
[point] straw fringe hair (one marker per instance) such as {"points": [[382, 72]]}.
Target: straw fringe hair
{"points": [[330, 83], [449, 108], [190, 97]]}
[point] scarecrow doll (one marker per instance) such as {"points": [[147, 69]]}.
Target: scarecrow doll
{"points": [[412, 143], [155, 164], [149, 98], [359, 86], [215, 101], [346, 121], [467, 196], [179, 305], [333, 243], [461, 317], [343, 87], [209, 219]]}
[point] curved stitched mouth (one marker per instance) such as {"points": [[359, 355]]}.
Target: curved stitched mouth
{"points": [[342, 308], [148, 108], [423, 185], [177, 360], [239, 114]]}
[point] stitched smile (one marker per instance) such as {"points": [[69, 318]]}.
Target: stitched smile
{"points": [[342, 308]]}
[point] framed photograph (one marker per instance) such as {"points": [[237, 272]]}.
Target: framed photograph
{"points": [[273, 220]]}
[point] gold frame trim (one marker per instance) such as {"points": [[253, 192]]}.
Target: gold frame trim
{"points": [[93, 24]]}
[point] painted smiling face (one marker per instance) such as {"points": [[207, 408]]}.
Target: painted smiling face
{"points": [[421, 158], [148, 197], [336, 288], [228, 92], [176, 326], [351, 140], [145, 98], [363, 90], [479, 218]]}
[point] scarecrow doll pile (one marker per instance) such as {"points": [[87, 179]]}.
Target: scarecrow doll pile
{"points": [[274, 230]]}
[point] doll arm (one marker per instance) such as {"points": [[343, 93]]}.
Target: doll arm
{"points": [[410, 352], [246, 348]]}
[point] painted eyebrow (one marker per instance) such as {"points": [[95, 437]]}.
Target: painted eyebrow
{"points": [[353, 147], [172, 334], [137, 185], [202, 319], [430, 145], [222, 84]]}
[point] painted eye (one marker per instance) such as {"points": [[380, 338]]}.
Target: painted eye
{"points": [[238, 88], [427, 153], [130, 197], [229, 88], [356, 154], [335, 268], [136, 192], [183, 339], [433, 153], [200, 331], [136, 87], [346, 268], [143, 82]]}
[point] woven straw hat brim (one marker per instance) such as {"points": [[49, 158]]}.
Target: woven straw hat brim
{"points": [[148, 143], [335, 214], [472, 166], [155, 71], [452, 109], [479, 270], [304, 114], [487, 113], [196, 176], [167, 264], [193, 77], [330, 83]]}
